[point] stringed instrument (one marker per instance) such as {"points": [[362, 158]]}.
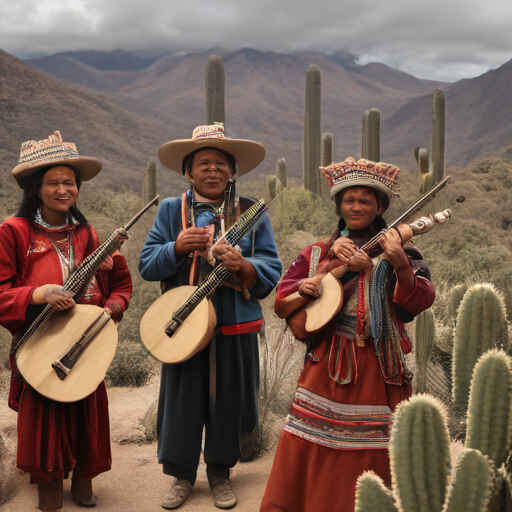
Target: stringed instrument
{"points": [[64, 355], [310, 316], [175, 337]]}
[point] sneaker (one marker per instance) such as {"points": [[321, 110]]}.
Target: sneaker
{"points": [[177, 494], [223, 496]]}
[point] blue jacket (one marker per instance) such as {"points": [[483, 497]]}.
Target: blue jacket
{"points": [[158, 263]]}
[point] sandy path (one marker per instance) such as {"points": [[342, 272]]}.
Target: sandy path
{"points": [[136, 482]]}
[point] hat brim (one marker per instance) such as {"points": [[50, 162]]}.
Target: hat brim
{"points": [[364, 182], [248, 154], [88, 167]]}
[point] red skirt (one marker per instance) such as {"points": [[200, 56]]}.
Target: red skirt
{"points": [[55, 438]]}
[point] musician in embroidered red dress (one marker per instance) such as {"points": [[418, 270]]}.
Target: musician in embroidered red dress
{"points": [[39, 246], [354, 373]]}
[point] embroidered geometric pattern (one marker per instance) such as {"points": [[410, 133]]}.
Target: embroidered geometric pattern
{"points": [[47, 150], [339, 426]]}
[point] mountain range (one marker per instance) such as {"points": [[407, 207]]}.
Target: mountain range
{"points": [[121, 106]]}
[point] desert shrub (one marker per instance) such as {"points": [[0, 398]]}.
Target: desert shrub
{"points": [[131, 366], [5, 345], [148, 422]]}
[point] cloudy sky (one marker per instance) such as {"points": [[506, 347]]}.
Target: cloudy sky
{"points": [[436, 39]]}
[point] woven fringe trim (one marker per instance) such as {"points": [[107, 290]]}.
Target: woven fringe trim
{"points": [[340, 426]]}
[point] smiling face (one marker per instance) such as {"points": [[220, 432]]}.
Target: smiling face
{"points": [[359, 207], [210, 173], [58, 193]]}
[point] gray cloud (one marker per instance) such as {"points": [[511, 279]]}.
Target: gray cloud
{"points": [[439, 39]]}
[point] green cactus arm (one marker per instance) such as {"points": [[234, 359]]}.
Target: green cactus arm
{"points": [[438, 136], [481, 325], [424, 339], [370, 136], [420, 454], [281, 172], [488, 419], [423, 160], [372, 495], [214, 98], [312, 127], [469, 489]]}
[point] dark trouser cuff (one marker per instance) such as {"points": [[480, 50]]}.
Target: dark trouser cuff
{"points": [[179, 472], [219, 470]]}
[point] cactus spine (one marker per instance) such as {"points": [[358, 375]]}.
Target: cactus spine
{"points": [[325, 161], [281, 172], [420, 454], [370, 136], [311, 141], [149, 184], [214, 98], [372, 495], [469, 491], [425, 333], [481, 325], [438, 136], [489, 406]]}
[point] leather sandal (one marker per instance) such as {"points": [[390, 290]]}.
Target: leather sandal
{"points": [[177, 494], [223, 496]]}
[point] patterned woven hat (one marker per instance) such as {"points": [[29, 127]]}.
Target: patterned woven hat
{"points": [[248, 154], [51, 152], [363, 173]]}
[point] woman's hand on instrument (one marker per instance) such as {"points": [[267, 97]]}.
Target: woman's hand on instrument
{"points": [[359, 261], [55, 295], [190, 240], [343, 248], [309, 287], [391, 243]]}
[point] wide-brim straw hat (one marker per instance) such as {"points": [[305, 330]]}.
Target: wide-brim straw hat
{"points": [[248, 154], [51, 152], [363, 173]]}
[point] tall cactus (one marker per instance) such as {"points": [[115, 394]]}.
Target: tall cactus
{"points": [[420, 454], [272, 186], [311, 141], [425, 333], [149, 184], [426, 177], [370, 135], [281, 172], [455, 298], [372, 495], [326, 160], [481, 325], [214, 98], [489, 406], [469, 490], [438, 137]]}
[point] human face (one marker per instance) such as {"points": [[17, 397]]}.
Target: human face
{"points": [[58, 194], [210, 173], [359, 207]]}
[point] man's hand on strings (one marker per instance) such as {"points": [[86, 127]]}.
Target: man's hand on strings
{"points": [[192, 239], [228, 256], [343, 248], [359, 261], [55, 295]]}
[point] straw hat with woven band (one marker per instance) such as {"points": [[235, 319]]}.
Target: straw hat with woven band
{"points": [[51, 152], [248, 154], [363, 173]]}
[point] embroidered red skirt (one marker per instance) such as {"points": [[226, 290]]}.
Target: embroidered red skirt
{"points": [[55, 438]]}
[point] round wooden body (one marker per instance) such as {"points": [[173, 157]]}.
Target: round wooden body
{"points": [[191, 337], [64, 329], [322, 310]]}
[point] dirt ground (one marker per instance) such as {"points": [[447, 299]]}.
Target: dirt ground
{"points": [[136, 482]]}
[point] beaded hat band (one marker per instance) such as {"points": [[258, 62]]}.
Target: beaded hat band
{"points": [[363, 173], [248, 154], [36, 154]]}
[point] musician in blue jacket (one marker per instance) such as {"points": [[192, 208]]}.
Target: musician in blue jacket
{"points": [[218, 387]]}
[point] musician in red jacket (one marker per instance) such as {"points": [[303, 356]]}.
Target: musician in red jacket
{"points": [[39, 247], [354, 373]]}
